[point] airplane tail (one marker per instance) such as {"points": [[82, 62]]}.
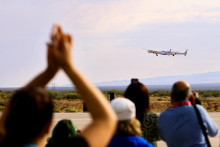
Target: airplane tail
{"points": [[185, 52]]}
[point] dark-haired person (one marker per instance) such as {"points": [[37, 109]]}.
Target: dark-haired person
{"points": [[62, 132], [138, 93], [27, 118], [179, 126]]}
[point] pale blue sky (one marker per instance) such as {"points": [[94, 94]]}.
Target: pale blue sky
{"points": [[109, 36]]}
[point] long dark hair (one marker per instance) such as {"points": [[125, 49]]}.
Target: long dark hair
{"points": [[138, 94]]}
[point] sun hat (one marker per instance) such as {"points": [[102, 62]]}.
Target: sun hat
{"points": [[124, 108]]}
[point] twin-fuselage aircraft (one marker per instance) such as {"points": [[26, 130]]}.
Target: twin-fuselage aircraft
{"points": [[170, 52]]}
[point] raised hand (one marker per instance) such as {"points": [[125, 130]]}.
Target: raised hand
{"points": [[61, 46], [103, 125]]}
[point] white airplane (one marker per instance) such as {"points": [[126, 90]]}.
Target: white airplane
{"points": [[170, 52]]}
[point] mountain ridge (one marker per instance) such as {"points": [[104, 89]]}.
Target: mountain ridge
{"points": [[202, 78]]}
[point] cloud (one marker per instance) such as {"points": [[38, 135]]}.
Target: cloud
{"points": [[109, 36], [116, 16], [111, 16]]}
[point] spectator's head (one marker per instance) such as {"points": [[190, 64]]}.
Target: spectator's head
{"points": [[180, 91], [63, 131], [125, 111], [27, 116], [138, 93]]}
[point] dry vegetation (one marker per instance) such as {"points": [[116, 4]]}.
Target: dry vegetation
{"points": [[70, 101]]}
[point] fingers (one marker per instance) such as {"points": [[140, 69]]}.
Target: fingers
{"points": [[56, 36], [50, 45], [60, 40], [56, 32], [67, 41], [60, 47], [68, 38], [196, 94]]}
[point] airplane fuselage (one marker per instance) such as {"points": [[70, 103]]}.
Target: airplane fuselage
{"points": [[167, 52]]}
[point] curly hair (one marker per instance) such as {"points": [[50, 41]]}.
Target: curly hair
{"points": [[130, 127]]}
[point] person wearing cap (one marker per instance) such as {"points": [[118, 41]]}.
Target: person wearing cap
{"points": [[179, 125], [128, 132]]}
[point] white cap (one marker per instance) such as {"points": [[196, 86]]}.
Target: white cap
{"points": [[124, 108]]}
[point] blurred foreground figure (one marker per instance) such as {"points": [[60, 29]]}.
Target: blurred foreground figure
{"points": [[128, 132], [180, 126], [138, 94], [26, 120], [62, 132]]}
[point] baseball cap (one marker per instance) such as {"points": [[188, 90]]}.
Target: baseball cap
{"points": [[124, 108]]}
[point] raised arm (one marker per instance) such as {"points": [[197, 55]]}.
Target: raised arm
{"points": [[103, 125]]}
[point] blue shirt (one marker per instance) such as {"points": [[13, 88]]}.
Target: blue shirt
{"points": [[180, 127], [129, 141]]}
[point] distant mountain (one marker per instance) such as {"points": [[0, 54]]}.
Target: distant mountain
{"points": [[203, 78], [203, 81]]}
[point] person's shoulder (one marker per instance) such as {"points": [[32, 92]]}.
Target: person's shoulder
{"points": [[77, 142], [168, 114], [151, 114], [142, 141], [165, 112], [201, 108]]}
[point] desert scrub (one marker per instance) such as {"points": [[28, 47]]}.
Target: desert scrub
{"points": [[159, 93], [160, 99], [62, 95], [72, 96], [73, 109], [68, 105]]}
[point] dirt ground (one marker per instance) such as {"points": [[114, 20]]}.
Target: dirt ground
{"points": [[156, 106], [163, 105]]}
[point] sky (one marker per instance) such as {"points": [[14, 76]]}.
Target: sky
{"points": [[109, 37]]}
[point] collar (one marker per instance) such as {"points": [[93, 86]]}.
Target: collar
{"points": [[182, 104]]}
